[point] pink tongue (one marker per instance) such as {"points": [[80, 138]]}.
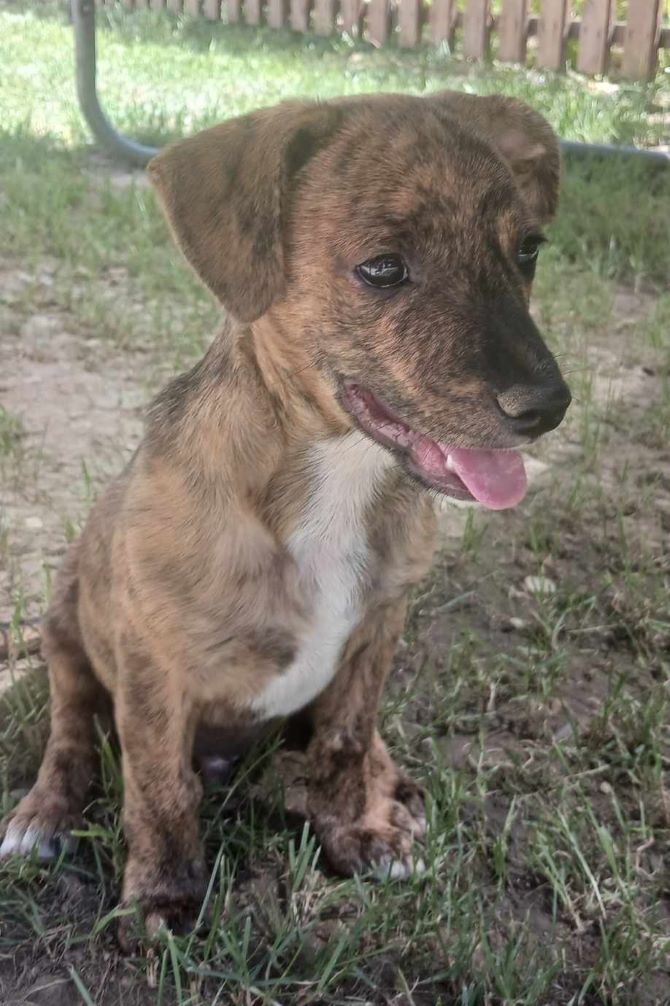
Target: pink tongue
{"points": [[497, 479]]}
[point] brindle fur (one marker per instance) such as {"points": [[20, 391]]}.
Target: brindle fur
{"points": [[180, 600]]}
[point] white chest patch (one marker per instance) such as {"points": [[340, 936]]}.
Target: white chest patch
{"points": [[331, 550]]}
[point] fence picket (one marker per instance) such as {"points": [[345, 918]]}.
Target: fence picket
{"points": [[442, 22], [639, 47], [513, 31], [476, 29], [352, 13], [379, 21], [551, 48], [234, 9], [299, 15], [409, 23], [277, 13], [324, 17], [594, 33], [252, 11], [211, 9]]}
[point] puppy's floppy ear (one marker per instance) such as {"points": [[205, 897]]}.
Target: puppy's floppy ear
{"points": [[225, 193], [520, 135]]}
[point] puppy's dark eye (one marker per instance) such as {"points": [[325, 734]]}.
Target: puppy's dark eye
{"points": [[383, 271], [528, 251]]}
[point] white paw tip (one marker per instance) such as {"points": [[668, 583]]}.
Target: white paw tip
{"points": [[421, 825], [155, 923], [399, 869], [10, 845], [23, 842]]}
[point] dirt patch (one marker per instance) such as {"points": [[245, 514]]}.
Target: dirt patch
{"points": [[78, 404]]}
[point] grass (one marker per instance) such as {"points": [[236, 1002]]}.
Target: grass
{"points": [[145, 59], [10, 433], [536, 719]]}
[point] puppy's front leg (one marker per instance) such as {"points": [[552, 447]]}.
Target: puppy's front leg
{"points": [[365, 812], [164, 872]]}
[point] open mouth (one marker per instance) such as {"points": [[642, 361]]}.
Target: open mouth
{"points": [[494, 478]]}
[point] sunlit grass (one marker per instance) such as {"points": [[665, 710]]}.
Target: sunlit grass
{"points": [[161, 76]]}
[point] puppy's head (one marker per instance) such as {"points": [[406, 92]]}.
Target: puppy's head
{"points": [[395, 239]]}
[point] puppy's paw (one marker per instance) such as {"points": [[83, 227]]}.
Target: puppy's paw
{"points": [[381, 843], [39, 826], [142, 929], [163, 899]]}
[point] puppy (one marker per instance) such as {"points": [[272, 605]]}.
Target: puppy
{"points": [[252, 563]]}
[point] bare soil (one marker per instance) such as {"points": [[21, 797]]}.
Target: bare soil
{"points": [[79, 403]]}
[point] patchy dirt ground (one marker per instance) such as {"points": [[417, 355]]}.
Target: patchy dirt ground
{"points": [[545, 627], [79, 408]]}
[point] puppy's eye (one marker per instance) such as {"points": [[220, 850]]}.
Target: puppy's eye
{"points": [[383, 271], [528, 251]]}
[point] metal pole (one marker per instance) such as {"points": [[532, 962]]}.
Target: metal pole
{"points": [[83, 14], [572, 148]]}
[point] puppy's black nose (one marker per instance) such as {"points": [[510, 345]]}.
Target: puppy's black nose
{"points": [[535, 409]]}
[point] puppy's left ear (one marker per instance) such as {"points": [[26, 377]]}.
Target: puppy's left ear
{"points": [[520, 135]]}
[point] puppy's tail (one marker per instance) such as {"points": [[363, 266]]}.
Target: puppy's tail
{"points": [[18, 639]]}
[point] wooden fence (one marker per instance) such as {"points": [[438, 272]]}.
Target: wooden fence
{"points": [[469, 27]]}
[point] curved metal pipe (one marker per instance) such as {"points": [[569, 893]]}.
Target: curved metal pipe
{"points": [[83, 15], [572, 147]]}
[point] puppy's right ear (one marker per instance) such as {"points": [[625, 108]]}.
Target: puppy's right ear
{"points": [[226, 191], [520, 135]]}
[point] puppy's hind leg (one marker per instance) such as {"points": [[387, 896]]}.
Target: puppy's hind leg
{"points": [[43, 820]]}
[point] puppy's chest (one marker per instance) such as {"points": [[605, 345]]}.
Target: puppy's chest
{"points": [[331, 549]]}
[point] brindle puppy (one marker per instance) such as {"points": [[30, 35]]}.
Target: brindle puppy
{"points": [[253, 561]]}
